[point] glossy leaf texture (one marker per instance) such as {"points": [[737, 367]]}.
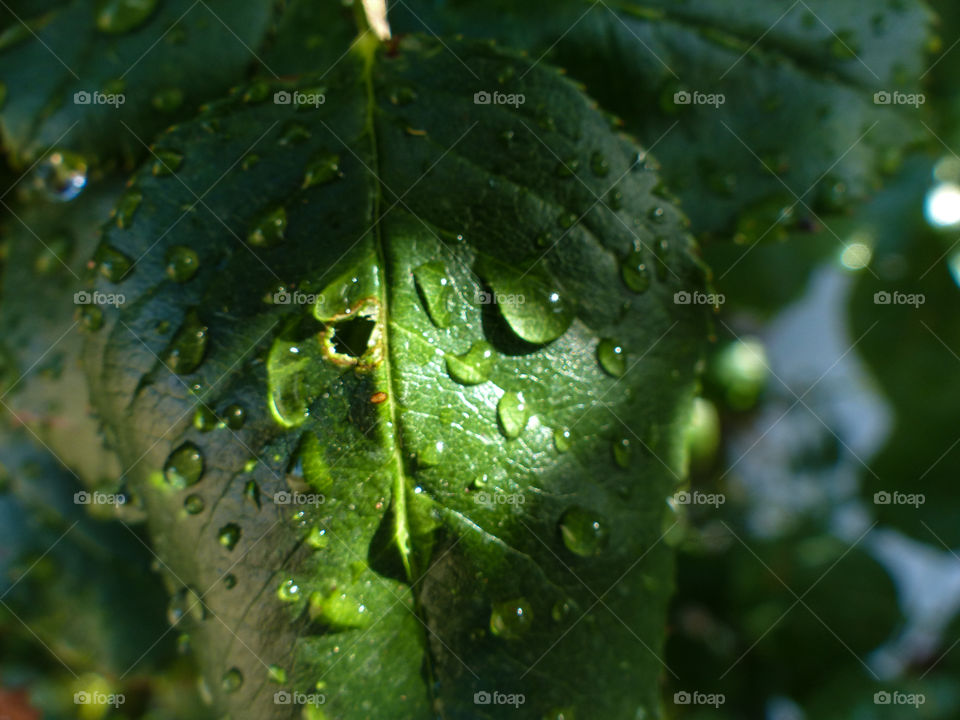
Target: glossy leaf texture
{"points": [[404, 392], [716, 88]]}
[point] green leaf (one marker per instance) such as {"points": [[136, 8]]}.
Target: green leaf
{"points": [[162, 57], [344, 300], [798, 126]]}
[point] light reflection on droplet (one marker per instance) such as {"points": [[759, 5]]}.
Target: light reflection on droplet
{"points": [[942, 205]]}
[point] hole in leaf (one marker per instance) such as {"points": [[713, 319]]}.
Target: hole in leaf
{"points": [[350, 337]]}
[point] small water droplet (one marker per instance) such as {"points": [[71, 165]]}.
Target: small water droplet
{"points": [[474, 366], [185, 603], [249, 161], [317, 538], [337, 610], [235, 416], [127, 207], [293, 134], [513, 413], [634, 272], [184, 466], [403, 95], [113, 264], [188, 346], [599, 164], [167, 99], [567, 168], [657, 215], [167, 162], [229, 535], [251, 491], [277, 674], [120, 16], [204, 419], [583, 532], [511, 619], [612, 357], [194, 504], [324, 168], [62, 176], [622, 452], [436, 290], [230, 581], [288, 591], [567, 220], [91, 318], [614, 199], [182, 263], [268, 229], [562, 439], [232, 680], [258, 91]]}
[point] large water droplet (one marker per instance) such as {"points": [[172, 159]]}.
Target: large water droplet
{"points": [[437, 291], [184, 466], [532, 306], [511, 619], [232, 680], [229, 535], [188, 346], [634, 272], [513, 413], [268, 229], [612, 357], [182, 263], [474, 366], [583, 532], [288, 398], [120, 16], [62, 175], [322, 169]]}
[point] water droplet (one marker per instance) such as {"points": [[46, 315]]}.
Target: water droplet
{"points": [[230, 581], [235, 416], [513, 413], [567, 220], [612, 357], [561, 610], [185, 603], [62, 176], [317, 538], [533, 308], [120, 16], [188, 346], [657, 215], [127, 207], [277, 674], [436, 290], [229, 535], [634, 272], [113, 264], [288, 591], [194, 504], [182, 263], [289, 401], [293, 134], [258, 91], [562, 439], [167, 162], [599, 164], [204, 419], [622, 452], [338, 611], [91, 318], [474, 366], [568, 168], [167, 99], [184, 466], [251, 491], [322, 169], [614, 199], [583, 532], [511, 619], [232, 680], [268, 229]]}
